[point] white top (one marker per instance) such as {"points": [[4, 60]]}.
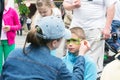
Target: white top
{"points": [[117, 11], [91, 14], [28, 21], [56, 12]]}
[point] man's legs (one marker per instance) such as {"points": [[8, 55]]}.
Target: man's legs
{"points": [[97, 46]]}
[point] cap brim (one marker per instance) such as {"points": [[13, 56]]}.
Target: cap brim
{"points": [[67, 34]]}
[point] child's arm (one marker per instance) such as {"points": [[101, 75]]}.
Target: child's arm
{"points": [[71, 5]]}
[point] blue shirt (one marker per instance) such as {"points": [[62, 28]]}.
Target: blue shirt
{"points": [[90, 67]]}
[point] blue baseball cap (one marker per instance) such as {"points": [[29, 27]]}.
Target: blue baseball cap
{"points": [[53, 28]]}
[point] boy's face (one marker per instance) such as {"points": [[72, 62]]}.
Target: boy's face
{"points": [[73, 44], [45, 11]]}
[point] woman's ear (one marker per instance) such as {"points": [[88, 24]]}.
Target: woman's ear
{"points": [[54, 44]]}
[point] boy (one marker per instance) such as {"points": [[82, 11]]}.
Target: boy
{"points": [[73, 46]]}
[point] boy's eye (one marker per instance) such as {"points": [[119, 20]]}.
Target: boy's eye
{"points": [[75, 41], [68, 40]]}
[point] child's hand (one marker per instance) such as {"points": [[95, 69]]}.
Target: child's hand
{"points": [[84, 47], [6, 28]]}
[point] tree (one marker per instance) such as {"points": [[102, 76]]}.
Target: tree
{"points": [[23, 9]]}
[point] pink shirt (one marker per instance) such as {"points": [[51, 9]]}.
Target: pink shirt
{"points": [[11, 18]]}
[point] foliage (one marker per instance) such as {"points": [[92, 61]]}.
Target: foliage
{"points": [[23, 9], [18, 1]]}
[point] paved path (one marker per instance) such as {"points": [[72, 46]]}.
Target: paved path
{"points": [[20, 41]]}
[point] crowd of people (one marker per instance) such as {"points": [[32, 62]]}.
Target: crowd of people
{"points": [[85, 27]]}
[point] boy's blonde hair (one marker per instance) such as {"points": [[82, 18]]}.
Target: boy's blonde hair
{"points": [[78, 31]]}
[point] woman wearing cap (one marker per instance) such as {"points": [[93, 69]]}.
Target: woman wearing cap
{"points": [[35, 62]]}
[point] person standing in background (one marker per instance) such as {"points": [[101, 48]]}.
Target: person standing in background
{"points": [[114, 41], [10, 24], [19, 32], [95, 17], [28, 22]]}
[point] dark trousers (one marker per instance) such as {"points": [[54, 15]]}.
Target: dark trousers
{"points": [[19, 32], [28, 26]]}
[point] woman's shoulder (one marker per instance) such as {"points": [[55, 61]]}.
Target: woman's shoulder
{"points": [[16, 52]]}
